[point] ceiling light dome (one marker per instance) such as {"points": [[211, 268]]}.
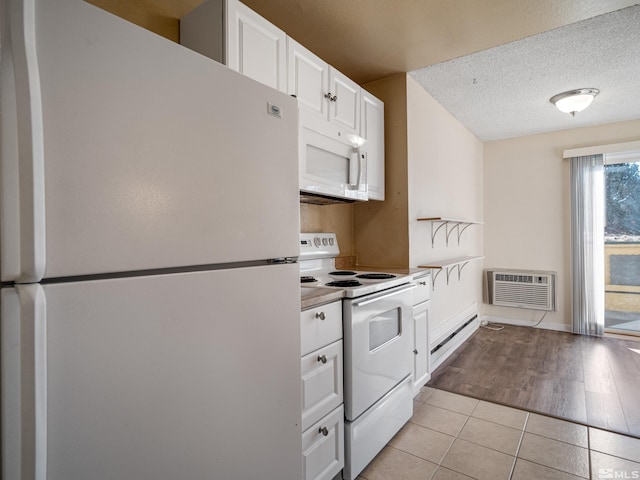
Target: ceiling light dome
{"points": [[574, 100]]}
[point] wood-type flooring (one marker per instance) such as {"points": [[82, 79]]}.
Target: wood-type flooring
{"points": [[590, 380]]}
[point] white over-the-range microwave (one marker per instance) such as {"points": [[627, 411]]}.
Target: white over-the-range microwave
{"points": [[332, 162]]}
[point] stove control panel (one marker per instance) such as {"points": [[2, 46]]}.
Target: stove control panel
{"points": [[318, 245]]}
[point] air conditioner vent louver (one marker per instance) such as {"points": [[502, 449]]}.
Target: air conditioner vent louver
{"points": [[530, 289]]}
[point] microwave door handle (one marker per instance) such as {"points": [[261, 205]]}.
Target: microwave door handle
{"points": [[359, 162], [354, 169]]}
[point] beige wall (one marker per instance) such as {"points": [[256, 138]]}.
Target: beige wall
{"points": [[444, 180], [527, 208], [330, 218], [148, 14], [433, 168], [380, 228]]}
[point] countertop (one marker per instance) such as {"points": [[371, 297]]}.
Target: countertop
{"points": [[312, 296]]}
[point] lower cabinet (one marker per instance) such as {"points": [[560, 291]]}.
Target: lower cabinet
{"points": [[420, 346], [322, 392], [422, 296], [321, 382], [323, 447]]}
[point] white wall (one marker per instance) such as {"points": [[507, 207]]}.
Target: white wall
{"points": [[444, 180], [527, 209]]}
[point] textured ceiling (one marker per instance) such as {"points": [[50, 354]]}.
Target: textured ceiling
{"points": [[504, 91], [519, 52]]}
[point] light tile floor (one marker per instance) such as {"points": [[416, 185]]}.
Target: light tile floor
{"points": [[453, 437]]}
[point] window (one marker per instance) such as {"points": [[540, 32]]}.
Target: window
{"points": [[622, 243]]}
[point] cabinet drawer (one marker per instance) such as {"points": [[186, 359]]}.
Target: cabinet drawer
{"points": [[423, 292], [323, 450], [320, 326], [321, 373]]}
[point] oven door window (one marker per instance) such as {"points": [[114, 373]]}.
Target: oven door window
{"points": [[384, 327]]}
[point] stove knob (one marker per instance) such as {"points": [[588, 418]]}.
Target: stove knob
{"points": [[331, 241], [317, 241], [325, 241]]}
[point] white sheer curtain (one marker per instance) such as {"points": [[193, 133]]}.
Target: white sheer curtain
{"points": [[587, 244]]}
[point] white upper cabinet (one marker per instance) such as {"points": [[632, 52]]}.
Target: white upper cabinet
{"points": [[231, 33], [255, 47], [308, 78], [372, 130], [344, 109], [322, 89]]}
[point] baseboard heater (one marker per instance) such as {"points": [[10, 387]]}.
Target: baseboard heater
{"points": [[450, 337]]}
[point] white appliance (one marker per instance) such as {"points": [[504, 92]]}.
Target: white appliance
{"points": [[378, 360], [332, 165], [149, 218], [530, 289]]}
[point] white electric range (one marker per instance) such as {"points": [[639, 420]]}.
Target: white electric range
{"points": [[377, 342]]}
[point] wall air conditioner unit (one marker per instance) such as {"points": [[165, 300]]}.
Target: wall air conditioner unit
{"points": [[530, 289]]}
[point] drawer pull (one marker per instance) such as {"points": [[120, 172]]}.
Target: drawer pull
{"points": [[321, 315], [422, 283], [322, 358], [323, 431], [415, 352]]}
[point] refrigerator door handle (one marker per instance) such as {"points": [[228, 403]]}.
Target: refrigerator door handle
{"points": [[22, 138], [24, 382], [282, 260]]}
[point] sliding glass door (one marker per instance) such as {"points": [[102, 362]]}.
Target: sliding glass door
{"points": [[622, 244]]}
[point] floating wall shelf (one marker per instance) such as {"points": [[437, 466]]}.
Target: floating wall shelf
{"points": [[449, 224], [448, 265]]}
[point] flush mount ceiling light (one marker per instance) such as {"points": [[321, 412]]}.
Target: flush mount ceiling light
{"points": [[574, 100]]}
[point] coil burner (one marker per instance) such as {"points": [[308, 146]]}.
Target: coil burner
{"points": [[344, 283], [376, 276]]}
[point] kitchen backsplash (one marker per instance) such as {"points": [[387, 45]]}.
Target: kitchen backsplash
{"points": [[330, 218]]}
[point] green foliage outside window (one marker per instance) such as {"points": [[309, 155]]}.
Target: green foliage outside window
{"points": [[622, 190]]}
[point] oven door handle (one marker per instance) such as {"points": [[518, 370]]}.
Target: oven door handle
{"points": [[362, 303]]}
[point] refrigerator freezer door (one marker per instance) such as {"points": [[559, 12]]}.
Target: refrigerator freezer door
{"points": [[155, 156], [163, 377]]}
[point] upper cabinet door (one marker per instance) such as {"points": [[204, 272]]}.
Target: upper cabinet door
{"points": [[255, 47], [308, 78], [344, 104], [372, 130]]}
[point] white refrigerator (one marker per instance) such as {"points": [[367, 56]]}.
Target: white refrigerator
{"points": [[149, 219]]}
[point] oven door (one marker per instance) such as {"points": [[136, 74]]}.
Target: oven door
{"points": [[329, 162], [377, 346]]}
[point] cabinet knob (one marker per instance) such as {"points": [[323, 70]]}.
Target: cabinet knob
{"points": [[323, 431], [322, 358], [415, 352], [321, 315]]}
